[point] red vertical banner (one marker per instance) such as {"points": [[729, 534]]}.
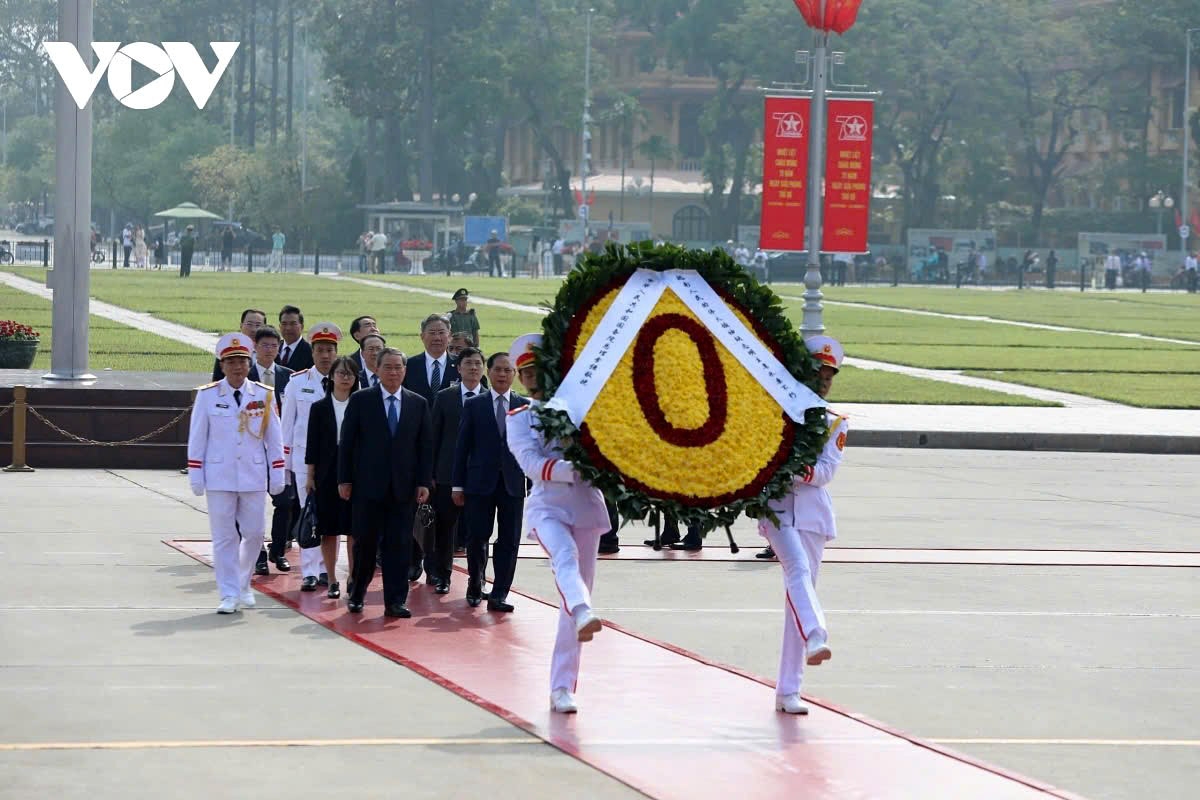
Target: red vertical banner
{"points": [[785, 173], [847, 176]]}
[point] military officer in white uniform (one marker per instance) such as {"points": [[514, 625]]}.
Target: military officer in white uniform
{"points": [[806, 523], [235, 455], [305, 388], [567, 516]]}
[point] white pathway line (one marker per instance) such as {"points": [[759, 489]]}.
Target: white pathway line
{"points": [[942, 376], [134, 319], [996, 321], [476, 299]]}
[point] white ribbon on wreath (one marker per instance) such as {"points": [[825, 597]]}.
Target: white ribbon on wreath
{"points": [[624, 319]]}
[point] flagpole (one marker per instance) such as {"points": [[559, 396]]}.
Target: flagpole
{"points": [[813, 321]]}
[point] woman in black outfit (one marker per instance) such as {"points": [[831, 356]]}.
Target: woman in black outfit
{"points": [[324, 424]]}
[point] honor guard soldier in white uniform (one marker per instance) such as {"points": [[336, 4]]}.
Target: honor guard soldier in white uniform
{"points": [[305, 388], [235, 455], [806, 523], [567, 516]]}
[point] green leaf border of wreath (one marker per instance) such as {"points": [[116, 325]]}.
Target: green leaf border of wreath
{"points": [[599, 273]]}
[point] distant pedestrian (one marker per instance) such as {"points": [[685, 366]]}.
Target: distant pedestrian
{"points": [[227, 249], [463, 319], [1191, 266], [278, 240], [141, 255], [160, 252], [187, 245], [379, 243], [1112, 269], [556, 250], [127, 241], [1143, 266], [493, 255], [1051, 268]]}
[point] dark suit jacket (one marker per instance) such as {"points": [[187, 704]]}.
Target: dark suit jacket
{"points": [[364, 382], [300, 358], [481, 458], [379, 465], [416, 378], [447, 410], [322, 445]]}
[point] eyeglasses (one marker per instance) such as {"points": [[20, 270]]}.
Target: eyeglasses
{"points": [[344, 373]]}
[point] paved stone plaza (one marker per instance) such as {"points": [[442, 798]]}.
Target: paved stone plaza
{"points": [[119, 681]]}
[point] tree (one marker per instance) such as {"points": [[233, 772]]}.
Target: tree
{"points": [[656, 148]]}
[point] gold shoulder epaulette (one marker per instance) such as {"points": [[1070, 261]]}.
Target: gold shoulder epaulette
{"points": [[206, 386], [519, 410], [263, 385]]}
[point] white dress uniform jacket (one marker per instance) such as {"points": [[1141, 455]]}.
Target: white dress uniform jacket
{"points": [[225, 451], [304, 389], [558, 493], [808, 507]]}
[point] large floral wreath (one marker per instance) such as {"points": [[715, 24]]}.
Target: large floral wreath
{"points": [[680, 427]]}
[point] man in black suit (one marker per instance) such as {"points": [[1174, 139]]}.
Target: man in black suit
{"points": [[359, 328], [266, 347], [252, 320], [369, 349], [385, 470], [447, 411], [490, 485], [428, 373], [294, 352]]}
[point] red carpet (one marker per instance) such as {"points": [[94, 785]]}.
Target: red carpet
{"points": [[657, 718]]}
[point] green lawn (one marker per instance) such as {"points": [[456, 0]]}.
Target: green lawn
{"points": [[1171, 314], [112, 346], [1122, 369]]}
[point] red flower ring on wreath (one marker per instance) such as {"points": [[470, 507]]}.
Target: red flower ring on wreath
{"points": [[714, 381]]}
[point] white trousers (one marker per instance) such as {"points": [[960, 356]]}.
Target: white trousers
{"points": [[312, 563], [800, 554], [275, 262], [573, 559], [233, 560]]}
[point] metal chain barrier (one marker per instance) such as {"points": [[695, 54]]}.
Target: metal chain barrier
{"points": [[7, 409], [84, 440]]}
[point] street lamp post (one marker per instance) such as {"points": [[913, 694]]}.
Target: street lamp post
{"points": [[812, 322], [585, 156], [1187, 137], [1160, 202]]}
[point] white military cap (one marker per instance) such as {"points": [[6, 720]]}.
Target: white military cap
{"points": [[233, 345], [827, 350], [521, 352], [324, 332]]}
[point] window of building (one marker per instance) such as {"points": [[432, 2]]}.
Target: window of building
{"points": [[690, 225], [691, 140]]}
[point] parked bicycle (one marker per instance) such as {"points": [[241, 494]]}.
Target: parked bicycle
{"points": [[6, 256]]}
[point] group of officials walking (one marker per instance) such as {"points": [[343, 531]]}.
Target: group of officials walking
{"points": [[383, 443]]}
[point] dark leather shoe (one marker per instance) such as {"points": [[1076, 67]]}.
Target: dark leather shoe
{"points": [[323, 579], [398, 610], [443, 587], [474, 593], [309, 584], [282, 564], [667, 541], [334, 592], [499, 605], [607, 549], [353, 607], [689, 543], [350, 587], [260, 566], [414, 573], [767, 553], [430, 580]]}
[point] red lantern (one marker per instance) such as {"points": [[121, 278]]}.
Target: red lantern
{"points": [[840, 15]]}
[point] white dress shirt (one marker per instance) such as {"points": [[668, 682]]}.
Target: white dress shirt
{"points": [[463, 389], [399, 400], [429, 361]]}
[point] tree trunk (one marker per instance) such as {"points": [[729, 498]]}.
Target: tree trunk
{"points": [[273, 112], [239, 122], [252, 116], [291, 49], [426, 114], [370, 163]]}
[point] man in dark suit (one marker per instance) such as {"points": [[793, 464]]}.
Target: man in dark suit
{"points": [[294, 352], [385, 470], [359, 328], [490, 485], [252, 320], [266, 346], [428, 373], [447, 411], [368, 349]]}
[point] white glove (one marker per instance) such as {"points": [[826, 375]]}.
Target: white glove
{"points": [[276, 488], [198, 489]]}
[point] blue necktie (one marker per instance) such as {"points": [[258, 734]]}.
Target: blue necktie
{"points": [[435, 382], [393, 414]]}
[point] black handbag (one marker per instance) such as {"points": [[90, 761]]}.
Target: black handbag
{"points": [[305, 530]]}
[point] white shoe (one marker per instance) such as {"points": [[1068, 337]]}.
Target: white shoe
{"points": [[818, 651], [790, 704], [562, 702], [587, 625], [247, 600], [228, 605]]}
